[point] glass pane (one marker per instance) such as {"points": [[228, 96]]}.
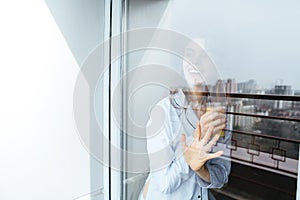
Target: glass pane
{"points": [[197, 52]]}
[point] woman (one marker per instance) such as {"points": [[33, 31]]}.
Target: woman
{"points": [[179, 170]]}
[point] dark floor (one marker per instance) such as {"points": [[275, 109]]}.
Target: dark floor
{"points": [[251, 183]]}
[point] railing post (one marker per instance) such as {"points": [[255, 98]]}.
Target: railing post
{"points": [[298, 178]]}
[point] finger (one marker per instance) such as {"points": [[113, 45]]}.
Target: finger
{"points": [[209, 117], [204, 130], [197, 133], [216, 115], [218, 129], [211, 143], [218, 109], [214, 155], [214, 140], [217, 122], [207, 135]]}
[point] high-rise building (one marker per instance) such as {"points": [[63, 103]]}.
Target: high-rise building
{"points": [[231, 86], [247, 87], [282, 90]]}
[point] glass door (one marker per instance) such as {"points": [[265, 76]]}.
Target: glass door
{"points": [[250, 49]]}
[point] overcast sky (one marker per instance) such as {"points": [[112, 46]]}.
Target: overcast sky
{"points": [[247, 39]]}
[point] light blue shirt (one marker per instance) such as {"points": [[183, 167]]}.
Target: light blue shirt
{"points": [[170, 176]]}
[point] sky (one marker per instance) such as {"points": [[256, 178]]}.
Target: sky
{"points": [[246, 39]]}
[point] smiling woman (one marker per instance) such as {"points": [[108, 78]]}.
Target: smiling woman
{"points": [[189, 169]]}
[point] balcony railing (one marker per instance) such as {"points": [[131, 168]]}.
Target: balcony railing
{"points": [[260, 148]]}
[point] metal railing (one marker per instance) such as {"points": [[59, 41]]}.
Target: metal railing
{"points": [[256, 148]]}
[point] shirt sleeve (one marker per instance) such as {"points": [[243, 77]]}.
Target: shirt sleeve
{"points": [[167, 171]]}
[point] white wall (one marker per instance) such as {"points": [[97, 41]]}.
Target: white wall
{"points": [[41, 156], [82, 23]]}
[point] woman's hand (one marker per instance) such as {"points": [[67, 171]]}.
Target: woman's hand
{"points": [[205, 138], [197, 153]]}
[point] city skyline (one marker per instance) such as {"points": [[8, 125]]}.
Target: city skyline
{"points": [[264, 87], [268, 84]]}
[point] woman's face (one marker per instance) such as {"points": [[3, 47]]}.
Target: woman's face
{"points": [[195, 64]]}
